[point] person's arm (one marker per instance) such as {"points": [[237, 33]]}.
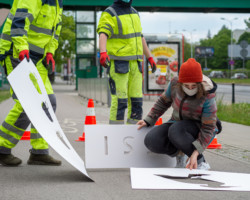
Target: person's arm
{"points": [[146, 50], [148, 55], [192, 164], [104, 58], [105, 30], [26, 12], [208, 124], [106, 25], [103, 42], [161, 106], [53, 44]]}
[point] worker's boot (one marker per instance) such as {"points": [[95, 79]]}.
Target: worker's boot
{"points": [[42, 159], [9, 160]]}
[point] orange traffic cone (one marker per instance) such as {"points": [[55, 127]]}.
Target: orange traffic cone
{"points": [[26, 135], [159, 122], [214, 144], [90, 118]]}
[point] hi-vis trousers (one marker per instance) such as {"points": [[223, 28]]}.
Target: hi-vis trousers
{"points": [[125, 82], [17, 121]]}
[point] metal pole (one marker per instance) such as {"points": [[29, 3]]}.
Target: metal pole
{"points": [[243, 63], [205, 61], [233, 93], [231, 59], [231, 23], [191, 45]]}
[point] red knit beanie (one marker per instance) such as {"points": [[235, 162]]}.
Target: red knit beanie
{"points": [[190, 72]]}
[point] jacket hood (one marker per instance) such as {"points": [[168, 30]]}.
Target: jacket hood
{"points": [[122, 3], [209, 85]]}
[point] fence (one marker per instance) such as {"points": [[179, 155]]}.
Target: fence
{"points": [[95, 88], [98, 90]]}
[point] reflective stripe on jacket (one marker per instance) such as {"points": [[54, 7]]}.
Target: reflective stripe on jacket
{"points": [[124, 31], [34, 25]]}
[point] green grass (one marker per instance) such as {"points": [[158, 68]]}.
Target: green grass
{"points": [[4, 94], [234, 113], [230, 81]]}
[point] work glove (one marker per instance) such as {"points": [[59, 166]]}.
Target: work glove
{"points": [[49, 58], [24, 53], [104, 60], [152, 63]]}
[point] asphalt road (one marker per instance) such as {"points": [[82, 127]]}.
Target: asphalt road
{"points": [[224, 91], [242, 93]]}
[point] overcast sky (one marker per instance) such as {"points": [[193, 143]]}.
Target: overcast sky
{"points": [[159, 22]]}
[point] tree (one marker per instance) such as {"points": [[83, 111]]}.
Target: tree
{"points": [[247, 22], [220, 43], [209, 34], [245, 36], [248, 64], [67, 39], [187, 50]]}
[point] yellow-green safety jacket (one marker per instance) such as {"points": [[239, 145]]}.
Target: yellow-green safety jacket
{"points": [[124, 33], [34, 25]]}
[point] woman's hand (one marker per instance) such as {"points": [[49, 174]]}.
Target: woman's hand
{"points": [[141, 124], [193, 160]]}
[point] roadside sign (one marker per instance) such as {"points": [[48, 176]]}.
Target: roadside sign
{"points": [[243, 44], [231, 62], [237, 51], [204, 52]]}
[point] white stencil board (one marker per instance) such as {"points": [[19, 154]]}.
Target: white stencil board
{"points": [[120, 146], [171, 178], [32, 101]]}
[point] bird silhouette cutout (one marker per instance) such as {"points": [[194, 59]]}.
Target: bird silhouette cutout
{"points": [[45, 108], [196, 179], [59, 135]]}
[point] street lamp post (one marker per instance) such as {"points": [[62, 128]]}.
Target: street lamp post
{"points": [[231, 24], [191, 37]]}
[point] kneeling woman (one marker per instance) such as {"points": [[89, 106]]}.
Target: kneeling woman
{"points": [[193, 123]]}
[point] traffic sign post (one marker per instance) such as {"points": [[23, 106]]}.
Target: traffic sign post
{"points": [[231, 62], [244, 51]]}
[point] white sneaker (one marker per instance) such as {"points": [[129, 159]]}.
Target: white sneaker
{"points": [[181, 161], [203, 166]]}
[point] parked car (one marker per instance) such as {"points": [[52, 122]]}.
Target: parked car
{"points": [[216, 74], [239, 76]]}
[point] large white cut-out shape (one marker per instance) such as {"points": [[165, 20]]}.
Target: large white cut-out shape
{"points": [[38, 108], [173, 178], [120, 146]]}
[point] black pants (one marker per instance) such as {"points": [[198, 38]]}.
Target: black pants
{"points": [[170, 138]]}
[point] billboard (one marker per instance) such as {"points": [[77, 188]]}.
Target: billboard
{"points": [[167, 58], [204, 52]]}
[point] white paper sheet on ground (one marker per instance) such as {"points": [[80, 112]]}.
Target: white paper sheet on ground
{"points": [[176, 178], [32, 102], [120, 146]]}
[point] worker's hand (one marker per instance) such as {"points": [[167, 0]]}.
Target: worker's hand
{"points": [[152, 63], [104, 59], [24, 53], [49, 58], [141, 124], [193, 160]]}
